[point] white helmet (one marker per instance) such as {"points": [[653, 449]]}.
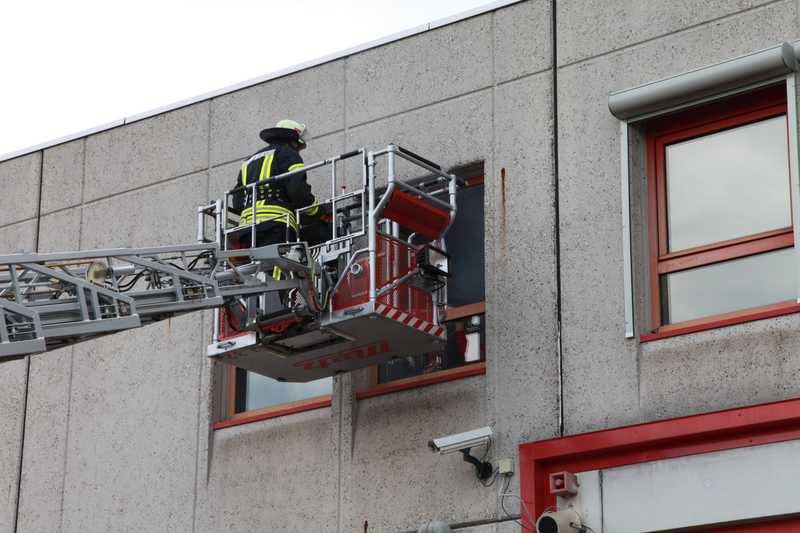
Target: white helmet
{"points": [[284, 130]]}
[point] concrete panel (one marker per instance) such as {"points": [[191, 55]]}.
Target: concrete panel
{"points": [[145, 152], [729, 367], [450, 133], [594, 27], [521, 278], [522, 40], [45, 442], [323, 148], [222, 178], [600, 366], [313, 97], [160, 215], [393, 78], [20, 237], [62, 177], [276, 475], [60, 231], [343, 410], [12, 383], [395, 482], [19, 181], [211, 408], [132, 446]]}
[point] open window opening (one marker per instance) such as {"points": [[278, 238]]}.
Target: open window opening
{"points": [[253, 397], [465, 317]]}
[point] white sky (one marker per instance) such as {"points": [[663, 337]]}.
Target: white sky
{"points": [[69, 66]]}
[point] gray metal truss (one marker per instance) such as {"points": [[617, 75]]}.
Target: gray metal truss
{"points": [[52, 300]]}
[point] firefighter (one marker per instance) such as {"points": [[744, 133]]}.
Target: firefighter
{"points": [[275, 203]]}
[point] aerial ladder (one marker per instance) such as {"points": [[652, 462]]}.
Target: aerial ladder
{"points": [[374, 288]]}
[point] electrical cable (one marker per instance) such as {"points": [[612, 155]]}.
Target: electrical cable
{"points": [[524, 507], [154, 282], [128, 285], [503, 494]]}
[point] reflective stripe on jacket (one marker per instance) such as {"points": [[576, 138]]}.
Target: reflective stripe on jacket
{"points": [[274, 202]]}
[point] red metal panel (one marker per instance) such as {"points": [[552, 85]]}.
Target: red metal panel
{"points": [[226, 331], [416, 215], [710, 432], [394, 260]]}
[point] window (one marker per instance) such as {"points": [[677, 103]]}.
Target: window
{"points": [[466, 293], [254, 391], [253, 397], [720, 210]]}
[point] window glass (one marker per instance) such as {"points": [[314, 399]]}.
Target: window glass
{"points": [[729, 286], [261, 391], [464, 243], [730, 184]]}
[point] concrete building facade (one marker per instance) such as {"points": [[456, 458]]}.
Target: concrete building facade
{"points": [[122, 433]]}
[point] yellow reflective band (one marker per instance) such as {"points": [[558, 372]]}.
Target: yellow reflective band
{"points": [[244, 174], [263, 168], [266, 169], [315, 210], [296, 166], [267, 213], [269, 166], [271, 213], [263, 206]]}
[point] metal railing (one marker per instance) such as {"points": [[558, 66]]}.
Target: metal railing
{"points": [[355, 214], [232, 224]]}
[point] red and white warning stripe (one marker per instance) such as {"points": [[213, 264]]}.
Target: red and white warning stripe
{"points": [[409, 320]]}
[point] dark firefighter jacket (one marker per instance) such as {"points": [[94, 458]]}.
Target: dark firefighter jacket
{"points": [[276, 201]]}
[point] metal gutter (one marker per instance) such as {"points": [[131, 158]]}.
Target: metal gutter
{"points": [[693, 86], [492, 6]]}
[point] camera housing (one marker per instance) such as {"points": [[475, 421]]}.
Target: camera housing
{"points": [[461, 441], [563, 521]]}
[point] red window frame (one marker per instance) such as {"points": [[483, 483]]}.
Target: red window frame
{"points": [[727, 114], [232, 418], [653, 441]]}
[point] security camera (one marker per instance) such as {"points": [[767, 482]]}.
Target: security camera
{"points": [[464, 442], [563, 521], [461, 441]]}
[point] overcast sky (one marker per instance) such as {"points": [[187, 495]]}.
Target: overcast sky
{"points": [[69, 66]]}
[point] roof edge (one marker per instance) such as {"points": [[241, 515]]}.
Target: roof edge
{"points": [[416, 30]]}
